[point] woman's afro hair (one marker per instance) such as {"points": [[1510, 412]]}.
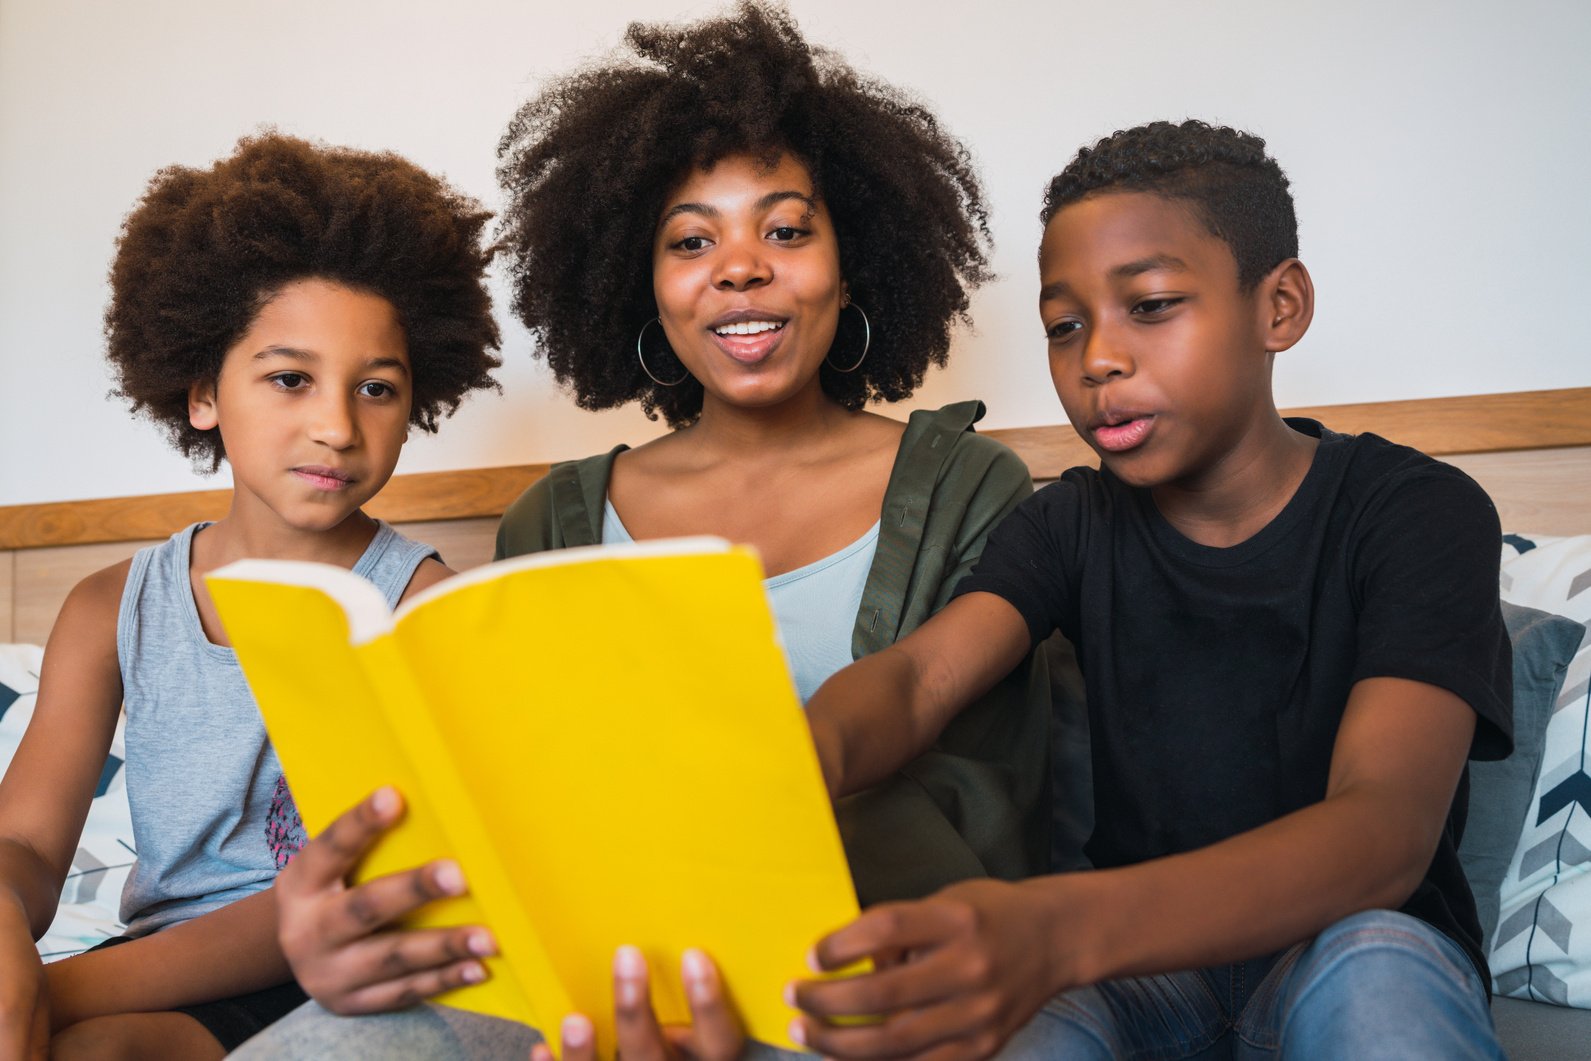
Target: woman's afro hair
{"points": [[1236, 190], [586, 164], [206, 249]]}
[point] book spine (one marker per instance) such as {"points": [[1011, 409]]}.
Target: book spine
{"points": [[522, 959]]}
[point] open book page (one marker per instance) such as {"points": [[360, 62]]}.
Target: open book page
{"points": [[329, 725], [629, 733], [616, 726]]}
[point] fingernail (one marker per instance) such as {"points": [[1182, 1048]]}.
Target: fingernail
{"points": [[473, 973], [384, 801], [695, 965], [449, 878], [798, 1032], [575, 1030], [698, 975], [812, 961], [481, 943], [790, 995], [629, 967], [628, 962]]}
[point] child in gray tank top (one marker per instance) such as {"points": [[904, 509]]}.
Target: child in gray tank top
{"points": [[295, 310]]}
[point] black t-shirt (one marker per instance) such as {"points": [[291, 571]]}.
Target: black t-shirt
{"points": [[1217, 677]]}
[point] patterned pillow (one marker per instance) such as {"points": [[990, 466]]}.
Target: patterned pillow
{"points": [[89, 902], [1543, 946]]}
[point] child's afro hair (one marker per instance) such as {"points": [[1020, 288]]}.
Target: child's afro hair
{"points": [[585, 166], [1236, 190], [206, 249]]}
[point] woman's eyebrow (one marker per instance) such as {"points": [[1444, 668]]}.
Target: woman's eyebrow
{"points": [[766, 202], [687, 208], [773, 199]]}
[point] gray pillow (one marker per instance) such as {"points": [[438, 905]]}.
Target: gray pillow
{"points": [[1500, 792]]}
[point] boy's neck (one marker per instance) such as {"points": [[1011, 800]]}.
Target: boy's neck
{"points": [[1234, 500], [245, 535]]}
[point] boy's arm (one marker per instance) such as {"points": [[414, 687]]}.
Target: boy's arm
{"points": [[986, 955], [887, 708], [46, 791], [45, 795], [227, 952]]}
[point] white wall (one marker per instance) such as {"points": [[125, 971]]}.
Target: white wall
{"points": [[1438, 151]]}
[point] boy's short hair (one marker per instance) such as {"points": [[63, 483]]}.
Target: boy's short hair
{"points": [[587, 162], [205, 249], [1237, 191]]}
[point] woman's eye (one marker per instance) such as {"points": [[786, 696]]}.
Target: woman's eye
{"points": [[786, 233], [289, 381]]}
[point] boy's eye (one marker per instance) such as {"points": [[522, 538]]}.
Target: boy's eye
{"points": [[290, 381], [1151, 306], [1062, 329]]}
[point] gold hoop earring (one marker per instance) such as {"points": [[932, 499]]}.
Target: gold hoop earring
{"points": [[867, 340], [641, 357]]}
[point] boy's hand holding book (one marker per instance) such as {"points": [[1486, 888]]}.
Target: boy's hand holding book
{"points": [[956, 974], [343, 940], [346, 949]]}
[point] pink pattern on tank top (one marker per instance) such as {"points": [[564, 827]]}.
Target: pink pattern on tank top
{"points": [[284, 829]]}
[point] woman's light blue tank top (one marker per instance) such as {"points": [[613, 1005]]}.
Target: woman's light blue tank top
{"points": [[814, 606], [213, 820]]}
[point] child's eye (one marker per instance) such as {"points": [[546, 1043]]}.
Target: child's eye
{"points": [[691, 244], [1062, 329], [375, 388], [1152, 306], [290, 381]]}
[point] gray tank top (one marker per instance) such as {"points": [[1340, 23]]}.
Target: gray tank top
{"points": [[212, 818]]}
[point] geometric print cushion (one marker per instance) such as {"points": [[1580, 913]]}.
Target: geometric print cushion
{"points": [[91, 898], [1542, 950]]}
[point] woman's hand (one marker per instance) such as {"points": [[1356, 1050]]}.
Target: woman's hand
{"points": [[24, 1000], [340, 940], [714, 1033]]}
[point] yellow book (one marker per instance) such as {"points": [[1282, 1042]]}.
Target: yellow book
{"points": [[606, 739]]}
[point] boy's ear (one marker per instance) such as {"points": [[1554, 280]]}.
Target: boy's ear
{"points": [[202, 412], [1288, 304]]}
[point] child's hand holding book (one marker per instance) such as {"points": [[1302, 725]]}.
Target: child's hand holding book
{"points": [[344, 941], [346, 945]]}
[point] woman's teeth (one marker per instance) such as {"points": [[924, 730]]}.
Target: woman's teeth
{"points": [[749, 327]]}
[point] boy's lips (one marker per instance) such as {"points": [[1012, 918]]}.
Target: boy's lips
{"points": [[1117, 432], [323, 478]]}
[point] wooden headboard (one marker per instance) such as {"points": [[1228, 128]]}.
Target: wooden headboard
{"points": [[1530, 450]]}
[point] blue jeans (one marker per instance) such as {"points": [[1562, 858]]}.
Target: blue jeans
{"points": [[1375, 985]]}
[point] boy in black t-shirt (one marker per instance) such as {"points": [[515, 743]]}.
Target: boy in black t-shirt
{"points": [[1291, 642]]}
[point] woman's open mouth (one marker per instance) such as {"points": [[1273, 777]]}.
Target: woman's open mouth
{"points": [[750, 340]]}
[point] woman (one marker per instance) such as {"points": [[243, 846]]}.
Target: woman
{"points": [[752, 241]]}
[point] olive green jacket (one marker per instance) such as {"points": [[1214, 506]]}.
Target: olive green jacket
{"points": [[977, 803]]}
